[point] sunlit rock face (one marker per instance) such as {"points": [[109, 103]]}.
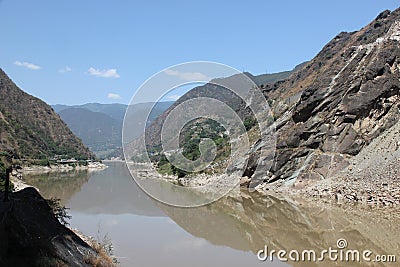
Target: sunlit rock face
{"points": [[337, 104]]}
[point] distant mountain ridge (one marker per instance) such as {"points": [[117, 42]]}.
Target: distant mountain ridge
{"points": [[97, 130], [100, 125], [115, 110], [273, 77], [30, 129]]}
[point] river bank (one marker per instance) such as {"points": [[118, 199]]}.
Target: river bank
{"points": [[227, 232], [360, 184], [32, 235], [91, 166], [83, 250], [363, 189]]}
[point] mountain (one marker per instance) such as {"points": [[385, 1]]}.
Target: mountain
{"points": [[273, 77], [337, 104], [327, 112], [135, 116], [115, 111], [212, 90], [337, 119], [97, 130], [30, 129], [100, 125], [189, 138]]}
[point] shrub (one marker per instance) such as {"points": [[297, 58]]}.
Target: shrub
{"points": [[104, 252], [3, 178], [59, 211], [249, 123]]}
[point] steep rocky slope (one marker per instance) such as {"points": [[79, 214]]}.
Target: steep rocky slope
{"points": [[30, 129], [372, 176], [216, 91], [338, 103]]}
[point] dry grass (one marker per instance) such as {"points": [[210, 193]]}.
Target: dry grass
{"points": [[103, 256]]}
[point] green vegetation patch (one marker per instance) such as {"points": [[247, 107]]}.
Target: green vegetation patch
{"points": [[3, 178]]}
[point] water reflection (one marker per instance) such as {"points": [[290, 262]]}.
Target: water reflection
{"points": [[251, 221], [62, 185], [110, 191], [228, 232]]}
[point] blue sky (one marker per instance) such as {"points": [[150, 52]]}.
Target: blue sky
{"points": [[74, 52]]}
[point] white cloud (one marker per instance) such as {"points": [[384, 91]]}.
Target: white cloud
{"points": [[188, 76], [110, 73], [173, 97], [65, 69], [113, 96], [28, 65]]}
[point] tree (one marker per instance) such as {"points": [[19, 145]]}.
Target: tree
{"points": [[59, 211], [5, 171]]}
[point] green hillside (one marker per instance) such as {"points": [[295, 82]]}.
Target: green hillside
{"points": [[30, 129]]}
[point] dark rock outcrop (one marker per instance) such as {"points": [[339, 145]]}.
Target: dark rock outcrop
{"points": [[31, 236]]}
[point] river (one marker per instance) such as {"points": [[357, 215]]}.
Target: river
{"points": [[228, 232]]}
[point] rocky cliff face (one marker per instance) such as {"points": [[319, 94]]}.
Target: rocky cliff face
{"points": [[337, 104]]}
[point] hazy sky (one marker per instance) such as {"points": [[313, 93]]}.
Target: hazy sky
{"points": [[74, 52]]}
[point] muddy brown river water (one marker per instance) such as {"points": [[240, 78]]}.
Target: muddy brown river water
{"points": [[229, 232]]}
